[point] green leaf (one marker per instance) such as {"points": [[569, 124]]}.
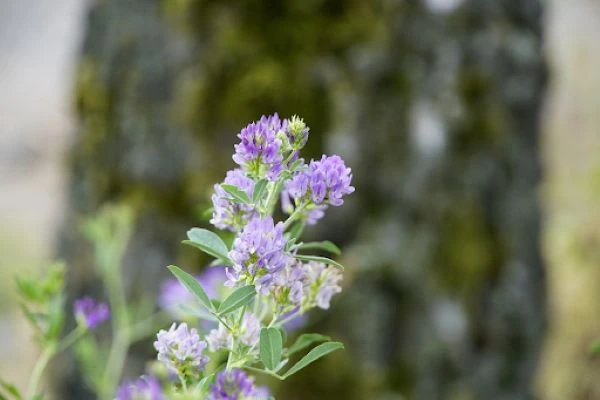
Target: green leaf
{"points": [[29, 289], [192, 285], [56, 317], [324, 245], [239, 196], [259, 190], [306, 340], [209, 242], [320, 351], [237, 299], [270, 347], [11, 389], [324, 260]]}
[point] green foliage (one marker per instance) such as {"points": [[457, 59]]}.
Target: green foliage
{"points": [[237, 195], [313, 355], [42, 302], [259, 190], [240, 297], [324, 245], [209, 243], [270, 347], [193, 286], [305, 340]]}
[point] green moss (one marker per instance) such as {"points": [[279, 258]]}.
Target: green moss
{"points": [[466, 256]]}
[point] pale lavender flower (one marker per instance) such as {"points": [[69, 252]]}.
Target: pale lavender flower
{"points": [[307, 285], [258, 254], [236, 385], [143, 388], [249, 333], [181, 349], [323, 282], [250, 330], [90, 313], [259, 152], [227, 214], [219, 338]]}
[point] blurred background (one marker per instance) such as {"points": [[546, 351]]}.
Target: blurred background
{"points": [[472, 127]]}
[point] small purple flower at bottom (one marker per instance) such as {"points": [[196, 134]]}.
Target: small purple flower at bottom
{"points": [[143, 388], [181, 350], [89, 313], [236, 385]]}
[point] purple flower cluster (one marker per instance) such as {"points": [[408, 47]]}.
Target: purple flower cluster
{"points": [[236, 385], [326, 181], [227, 214], [258, 254], [181, 349], [143, 388], [89, 313], [249, 333], [259, 152], [308, 285]]}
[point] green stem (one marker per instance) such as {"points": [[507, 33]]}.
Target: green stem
{"points": [[38, 370], [183, 383], [288, 318], [50, 351], [263, 371], [223, 322], [71, 338], [272, 198], [115, 363], [294, 216]]}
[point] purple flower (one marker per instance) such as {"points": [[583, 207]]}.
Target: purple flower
{"points": [[228, 214], [259, 152], [258, 254], [181, 350], [325, 181], [89, 313], [173, 294], [248, 335], [143, 388], [236, 385]]}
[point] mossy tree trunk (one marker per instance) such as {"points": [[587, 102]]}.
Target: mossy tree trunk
{"points": [[436, 109]]}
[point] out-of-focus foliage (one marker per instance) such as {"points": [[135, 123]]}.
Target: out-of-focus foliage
{"points": [[434, 105]]}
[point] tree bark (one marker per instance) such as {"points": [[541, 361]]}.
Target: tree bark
{"points": [[435, 106]]}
